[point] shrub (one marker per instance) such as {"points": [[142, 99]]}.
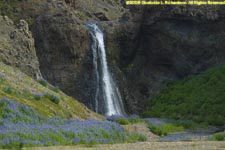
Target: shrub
{"points": [[155, 129], [37, 97], [55, 99], [122, 121], [215, 120], [55, 89], [8, 90], [219, 136], [43, 82]]}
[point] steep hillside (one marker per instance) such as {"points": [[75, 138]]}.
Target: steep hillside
{"points": [[46, 99], [200, 98]]}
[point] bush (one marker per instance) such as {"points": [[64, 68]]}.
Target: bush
{"points": [[37, 97], [219, 136], [215, 120], [156, 130], [55, 99], [8, 90], [43, 82], [122, 121], [55, 89]]}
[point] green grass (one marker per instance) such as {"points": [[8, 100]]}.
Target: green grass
{"points": [[23, 89], [174, 126], [199, 98], [122, 121], [134, 137], [129, 120], [165, 128], [52, 98]]}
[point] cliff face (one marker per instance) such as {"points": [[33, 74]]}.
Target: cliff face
{"points": [[63, 45], [17, 46], [157, 45], [147, 47], [62, 48]]}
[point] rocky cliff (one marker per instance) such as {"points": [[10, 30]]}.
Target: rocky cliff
{"points": [[147, 47], [157, 45], [17, 46], [63, 45]]}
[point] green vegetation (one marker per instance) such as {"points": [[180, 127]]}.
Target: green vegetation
{"points": [[23, 89], [55, 99], [164, 129], [55, 88], [23, 126], [173, 126], [133, 137], [199, 98], [43, 82], [37, 97], [132, 119], [122, 121], [17, 9], [219, 136]]}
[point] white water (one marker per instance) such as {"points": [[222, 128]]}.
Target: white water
{"points": [[111, 94]]}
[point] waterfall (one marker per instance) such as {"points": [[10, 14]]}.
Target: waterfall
{"points": [[113, 104]]}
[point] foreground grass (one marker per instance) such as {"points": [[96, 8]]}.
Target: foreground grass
{"points": [[21, 126], [199, 98]]}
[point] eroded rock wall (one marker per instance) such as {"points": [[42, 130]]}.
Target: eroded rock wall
{"points": [[17, 46]]}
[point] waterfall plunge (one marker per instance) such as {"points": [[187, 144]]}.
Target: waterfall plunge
{"points": [[111, 95]]}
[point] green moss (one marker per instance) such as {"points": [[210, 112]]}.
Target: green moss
{"points": [[199, 98]]}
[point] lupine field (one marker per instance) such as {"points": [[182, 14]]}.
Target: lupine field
{"points": [[22, 126]]}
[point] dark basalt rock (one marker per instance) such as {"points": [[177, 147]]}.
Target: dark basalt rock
{"points": [[157, 45]]}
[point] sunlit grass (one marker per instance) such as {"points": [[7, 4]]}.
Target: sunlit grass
{"points": [[23, 89]]}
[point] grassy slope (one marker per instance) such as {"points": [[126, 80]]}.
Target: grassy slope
{"points": [[200, 98], [21, 88]]}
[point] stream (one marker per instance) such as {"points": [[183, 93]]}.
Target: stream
{"points": [[199, 134]]}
